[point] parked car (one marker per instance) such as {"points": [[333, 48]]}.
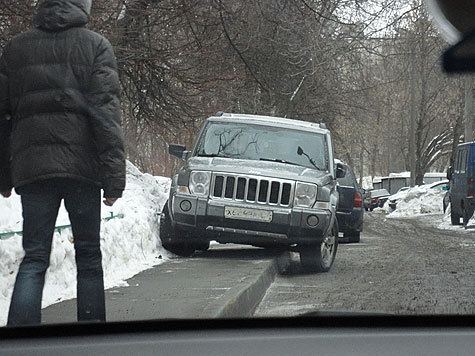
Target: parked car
{"points": [[393, 199], [443, 185], [382, 200], [375, 198], [367, 198], [462, 183], [440, 186], [256, 180], [350, 207]]}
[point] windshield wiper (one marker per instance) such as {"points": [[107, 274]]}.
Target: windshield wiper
{"points": [[211, 155], [310, 159], [279, 161]]}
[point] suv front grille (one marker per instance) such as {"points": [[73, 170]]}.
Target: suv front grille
{"points": [[252, 189]]}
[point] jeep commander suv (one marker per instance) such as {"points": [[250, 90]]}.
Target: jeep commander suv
{"points": [[256, 180]]}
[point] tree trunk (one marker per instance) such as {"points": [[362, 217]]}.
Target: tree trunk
{"points": [[361, 167], [413, 113]]}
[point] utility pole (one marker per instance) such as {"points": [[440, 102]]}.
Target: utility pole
{"points": [[468, 109]]}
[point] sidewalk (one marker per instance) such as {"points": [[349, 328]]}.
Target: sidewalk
{"points": [[226, 281]]}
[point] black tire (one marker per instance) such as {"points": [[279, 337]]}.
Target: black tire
{"points": [[466, 215], [320, 257], [454, 217], [173, 239], [353, 237], [202, 246]]}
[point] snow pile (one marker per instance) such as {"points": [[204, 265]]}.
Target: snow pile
{"points": [[367, 182], [417, 201], [129, 245]]}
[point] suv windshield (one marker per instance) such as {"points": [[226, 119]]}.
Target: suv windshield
{"points": [[266, 143]]}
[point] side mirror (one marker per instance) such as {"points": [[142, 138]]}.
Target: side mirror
{"points": [[177, 150], [449, 173], [340, 170]]}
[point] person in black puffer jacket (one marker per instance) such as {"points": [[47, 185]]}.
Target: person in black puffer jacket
{"points": [[60, 138]]}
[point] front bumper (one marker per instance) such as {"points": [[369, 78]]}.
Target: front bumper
{"points": [[289, 226]]}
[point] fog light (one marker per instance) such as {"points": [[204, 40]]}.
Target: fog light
{"points": [[185, 205], [312, 220]]}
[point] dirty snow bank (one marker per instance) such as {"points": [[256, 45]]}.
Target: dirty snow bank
{"points": [[129, 245], [418, 200]]}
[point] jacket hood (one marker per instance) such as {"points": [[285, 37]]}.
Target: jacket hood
{"points": [[57, 15]]}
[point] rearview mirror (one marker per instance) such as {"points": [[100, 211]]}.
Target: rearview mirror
{"points": [[456, 22], [340, 170], [177, 150]]}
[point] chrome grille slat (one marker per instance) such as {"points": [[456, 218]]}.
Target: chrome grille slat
{"points": [[269, 190], [235, 188], [241, 188], [281, 188], [224, 186], [258, 191], [246, 189]]}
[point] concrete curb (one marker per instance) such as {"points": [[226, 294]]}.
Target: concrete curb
{"points": [[224, 283], [242, 300]]}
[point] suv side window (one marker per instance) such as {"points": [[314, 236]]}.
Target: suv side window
{"points": [[457, 164], [348, 180], [461, 162]]}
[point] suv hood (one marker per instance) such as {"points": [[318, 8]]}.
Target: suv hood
{"points": [[259, 168]]}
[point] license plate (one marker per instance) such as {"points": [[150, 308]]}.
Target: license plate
{"points": [[247, 214]]}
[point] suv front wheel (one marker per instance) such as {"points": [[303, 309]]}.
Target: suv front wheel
{"points": [[320, 257], [173, 239]]}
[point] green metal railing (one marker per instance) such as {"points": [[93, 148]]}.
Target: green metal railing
{"points": [[6, 235]]}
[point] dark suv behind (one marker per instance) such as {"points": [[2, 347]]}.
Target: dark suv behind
{"points": [[462, 183], [350, 207]]}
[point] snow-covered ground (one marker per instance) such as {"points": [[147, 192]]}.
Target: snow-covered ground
{"points": [[129, 245]]}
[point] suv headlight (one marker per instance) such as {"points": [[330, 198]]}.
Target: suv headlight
{"points": [[199, 182], [305, 195]]}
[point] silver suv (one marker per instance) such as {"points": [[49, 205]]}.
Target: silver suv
{"points": [[256, 180]]}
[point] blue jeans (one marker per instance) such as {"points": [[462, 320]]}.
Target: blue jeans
{"points": [[40, 202]]}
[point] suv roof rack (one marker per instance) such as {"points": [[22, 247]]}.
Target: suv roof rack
{"points": [[222, 113]]}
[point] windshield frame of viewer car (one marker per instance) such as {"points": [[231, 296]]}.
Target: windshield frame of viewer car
{"points": [[234, 240]]}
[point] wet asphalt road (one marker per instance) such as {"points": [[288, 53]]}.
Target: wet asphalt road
{"points": [[403, 266]]}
